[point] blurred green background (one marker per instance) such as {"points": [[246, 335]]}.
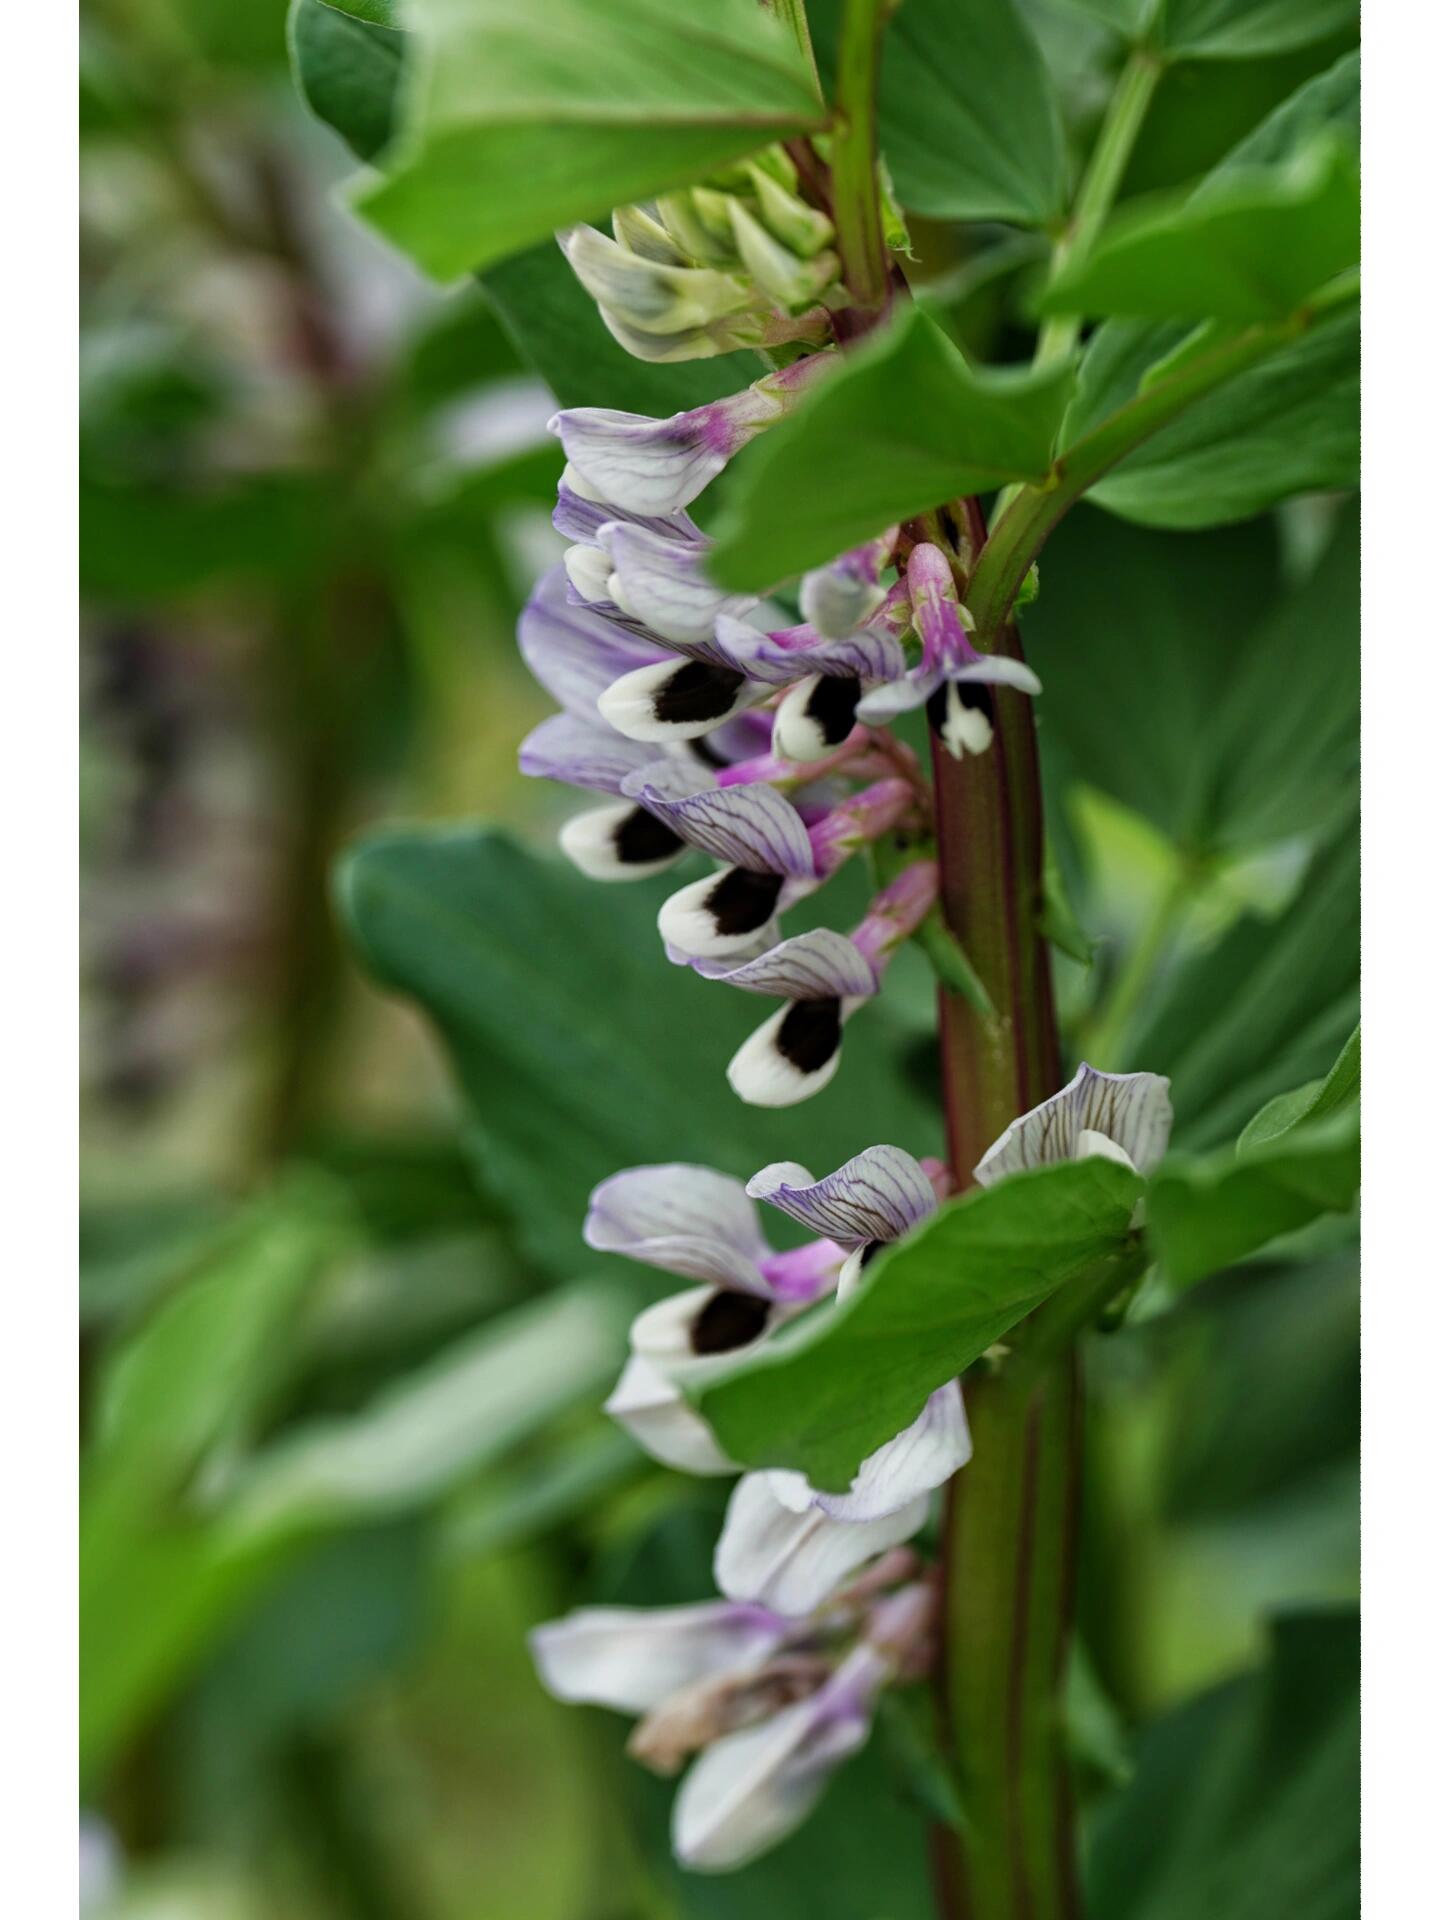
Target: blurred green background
{"points": [[342, 1347]]}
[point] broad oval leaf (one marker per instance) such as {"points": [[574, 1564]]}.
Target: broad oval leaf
{"points": [[524, 119], [823, 1396], [1244, 29], [968, 120], [903, 425], [347, 68]]}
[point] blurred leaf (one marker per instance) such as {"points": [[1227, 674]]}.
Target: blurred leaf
{"points": [[157, 543], [825, 1394], [903, 425], [557, 327], [427, 1431], [521, 122], [1204, 1213], [1267, 1395], [1253, 247], [1268, 1007], [578, 1048], [197, 1369], [968, 121], [1314, 1101], [348, 70], [133, 1251], [241, 38], [1241, 29], [383, 13], [1246, 1802], [1181, 679], [538, 1496], [1136, 637], [1125, 16], [1289, 425]]}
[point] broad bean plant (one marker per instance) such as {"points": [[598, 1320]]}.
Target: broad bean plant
{"points": [[788, 644]]}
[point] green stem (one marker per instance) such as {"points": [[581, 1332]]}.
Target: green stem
{"points": [[1107, 1026], [859, 224], [1035, 512], [1109, 158]]}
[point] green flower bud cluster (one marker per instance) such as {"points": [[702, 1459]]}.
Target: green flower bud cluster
{"points": [[741, 260]]}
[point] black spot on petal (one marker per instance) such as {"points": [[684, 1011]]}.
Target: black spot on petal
{"points": [[640, 838], [872, 1247], [741, 902], [707, 753], [728, 1320], [832, 707], [697, 691], [935, 706], [809, 1035], [977, 697]]}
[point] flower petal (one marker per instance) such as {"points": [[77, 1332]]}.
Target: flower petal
{"points": [[573, 652], [753, 827], [658, 1417], [838, 598], [820, 965], [881, 705], [579, 515], [645, 466], [683, 1219], [748, 1791], [999, 671], [815, 717], [790, 653], [623, 842], [675, 700], [665, 584], [793, 1562], [632, 1658], [920, 1458], [728, 917], [1132, 1109], [792, 1055], [879, 1195], [648, 295], [583, 753]]}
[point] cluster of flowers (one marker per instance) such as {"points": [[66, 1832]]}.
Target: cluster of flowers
{"points": [[823, 1604], [712, 725], [765, 748]]}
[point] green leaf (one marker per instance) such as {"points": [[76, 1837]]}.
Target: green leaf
{"points": [[1127, 17], [968, 119], [1243, 29], [555, 324], [347, 64], [428, 1430], [825, 1394], [1254, 246], [1180, 678], [1207, 1212], [1288, 425], [902, 426], [579, 1049], [522, 120], [1267, 1008], [382, 13], [1314, 1101], [197, 1367], [1245, 1802]]}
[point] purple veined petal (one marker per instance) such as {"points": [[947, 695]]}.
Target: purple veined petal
{"points": [[583, 753], [646, 466], [657, 1416], [881, 705], [747, 1791], [792, 1055], [579, 516], [879, 1195], [575, 653], [793, 1562], [675, 700], [751, 827], [920, 1458], [683, 1219], [664, 583], [803, 1274], [632, 1658], [935, 608], [820, 965], [838, 598], [621, 842], [1132, 1110], [996, 669]]}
